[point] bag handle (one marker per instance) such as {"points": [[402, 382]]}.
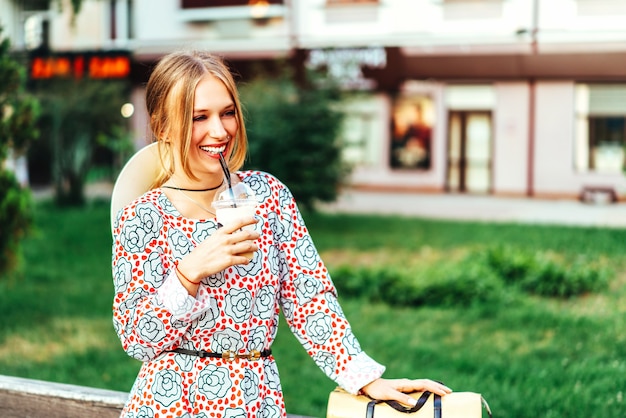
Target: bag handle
{"points": [[421, 401]]}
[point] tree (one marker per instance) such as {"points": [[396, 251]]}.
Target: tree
{"points": [[293, 134], [76, 116], [18, 115]]}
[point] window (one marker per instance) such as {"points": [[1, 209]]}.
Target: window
{"points": [[361, 128], [411, 131], [600, 7], [222, 10], [600, 127], [356, 135], [352, 11], [195, 4], [37, 32], [120, 20], [333, 2], [35, 5], [130, 18], [472, 9], [112, 20]]}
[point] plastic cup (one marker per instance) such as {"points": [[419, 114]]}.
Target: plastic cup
{"points": [[229, 210]]}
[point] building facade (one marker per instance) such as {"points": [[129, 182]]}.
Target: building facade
{"points": [[503, 97]]}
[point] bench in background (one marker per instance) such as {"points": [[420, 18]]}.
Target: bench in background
{"points": [[598, 194]]}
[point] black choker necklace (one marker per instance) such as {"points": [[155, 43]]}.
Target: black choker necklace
{"points": [[193, 190]]}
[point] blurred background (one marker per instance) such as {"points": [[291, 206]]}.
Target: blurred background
{"points": [[497, 97], [489, 110]]}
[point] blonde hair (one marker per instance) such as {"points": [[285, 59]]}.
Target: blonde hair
{"points": [[170, 95]]}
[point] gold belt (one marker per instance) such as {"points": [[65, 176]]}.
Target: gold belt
{"points": [[226, 355]]}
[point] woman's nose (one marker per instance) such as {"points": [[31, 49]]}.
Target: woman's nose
{"points": [[216, 129]]}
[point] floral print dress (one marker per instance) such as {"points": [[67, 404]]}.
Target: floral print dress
{"points": [[236, 309]]}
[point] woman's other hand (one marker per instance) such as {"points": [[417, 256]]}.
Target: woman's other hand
{"points": [[397, 389], [224, 248]]}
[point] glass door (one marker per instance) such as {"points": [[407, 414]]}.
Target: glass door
{"points": [[469, 152]]}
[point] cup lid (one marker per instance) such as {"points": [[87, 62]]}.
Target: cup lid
{"points": [[239, 191]]}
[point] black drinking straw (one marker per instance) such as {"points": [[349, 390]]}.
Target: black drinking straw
{"points": [[227, 176]]}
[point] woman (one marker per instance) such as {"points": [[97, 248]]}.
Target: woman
{"points": [[188, 303]]}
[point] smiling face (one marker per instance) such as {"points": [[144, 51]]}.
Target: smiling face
{"points": [[194, 108], [215, 124]]}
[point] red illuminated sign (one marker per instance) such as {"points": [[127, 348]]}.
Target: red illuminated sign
{"points": [[98, 66]]}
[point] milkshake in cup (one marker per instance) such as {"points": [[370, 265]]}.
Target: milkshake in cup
{"points": [[235, 203]]}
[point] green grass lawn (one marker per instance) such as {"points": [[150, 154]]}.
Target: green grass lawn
{"points": [[529, 356]]}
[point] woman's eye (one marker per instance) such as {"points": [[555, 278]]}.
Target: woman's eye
{"points": [[230, 113], [199, 118]]}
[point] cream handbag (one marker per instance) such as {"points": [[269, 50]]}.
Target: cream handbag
{"points": [[341, 404]]}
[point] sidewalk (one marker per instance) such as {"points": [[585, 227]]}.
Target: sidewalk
{"points": [[481, 208], [456, 206]]}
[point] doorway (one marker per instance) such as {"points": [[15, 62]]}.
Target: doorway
{"points": [[469, 152]]}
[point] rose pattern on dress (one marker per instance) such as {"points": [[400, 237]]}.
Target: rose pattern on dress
{"points": [[306, 253], [226, 340], [273, 331], [213, 382], [237, 309], [319, 327], [238, 303], [261, 189], [178, 324], [145, 412], [185, 363], [333, 304], [141, 229], [351, 343], [282, 226], [269, 409], [180, 244], [208, 318], [155, 264], [167, 387], [193, 397], [325, 361], [140, 353], [257, 338], [151, 328], [288, 307], [250, 385], [273, 256], [307, 288], [216, 280], [122, 274], [203, 231], [264, 302], [234, 413], [180, 303], [168, 207], [272, 377], [362, 363], [253, 268], [139, 386], [285, 199]]}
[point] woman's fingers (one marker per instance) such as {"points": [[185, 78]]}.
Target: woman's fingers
{"points": [[245, 248], [243, 242], [398, 389], [238, 224], [230, 245], [421, 385]]}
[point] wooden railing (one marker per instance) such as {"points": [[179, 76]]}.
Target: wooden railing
{"points": [[28, 398]]}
